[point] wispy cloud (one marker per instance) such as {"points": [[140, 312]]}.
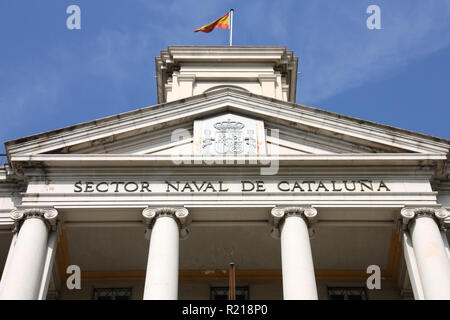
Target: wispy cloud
{"points": [[337, 52], [337, 60]]}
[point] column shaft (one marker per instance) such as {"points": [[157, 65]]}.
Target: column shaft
{"points": [[25, 270], [432, 259], [161, 282], [297, 264]]}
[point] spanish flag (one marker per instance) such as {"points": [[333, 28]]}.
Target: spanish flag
{"points": [[221, 23]]}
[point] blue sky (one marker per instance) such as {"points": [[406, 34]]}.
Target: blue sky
{"points": [[52, 77]]}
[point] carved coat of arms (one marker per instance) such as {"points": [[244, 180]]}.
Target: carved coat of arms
{"points": [[229, 138]]}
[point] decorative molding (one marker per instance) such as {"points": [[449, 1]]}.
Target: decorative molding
{"points": [[267, 77], [48, 215], [152, 160], [278, 214], [276, 61], [180, 215], [229, 134], [440, 215], [186, 77], [307, 213], [447, 222]]}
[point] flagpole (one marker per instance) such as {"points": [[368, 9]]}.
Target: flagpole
{"points": [[231, 27]]}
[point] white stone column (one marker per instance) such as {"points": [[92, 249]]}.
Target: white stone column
{"points": [[161, 280], [299, 281], [432, 261], [25, 270]]}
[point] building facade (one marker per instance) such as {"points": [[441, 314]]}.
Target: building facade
{"points": [[156, 203]]}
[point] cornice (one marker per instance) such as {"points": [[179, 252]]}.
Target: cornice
{"points": [[383, 171], [9, 183], [230, 100], [119, 160]]}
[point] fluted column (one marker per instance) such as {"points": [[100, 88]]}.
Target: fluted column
{"points": [[23, 278], [292, 223], [166, 224], [432, 260]]}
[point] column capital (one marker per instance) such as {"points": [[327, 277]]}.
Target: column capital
{"points": [[278, 214], [48, 215], [179, 214], [408, 214]]}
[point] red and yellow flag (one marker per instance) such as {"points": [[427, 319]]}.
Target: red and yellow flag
{"points": [[221, 23]]}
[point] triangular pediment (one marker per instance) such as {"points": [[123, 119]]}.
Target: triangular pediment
{"points": [[186, 138], [292, 128]]}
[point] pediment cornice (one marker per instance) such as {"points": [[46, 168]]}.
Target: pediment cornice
{"points": [[380, 137]]}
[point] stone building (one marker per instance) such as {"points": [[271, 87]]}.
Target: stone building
{"points": [[156, 203]]}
